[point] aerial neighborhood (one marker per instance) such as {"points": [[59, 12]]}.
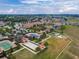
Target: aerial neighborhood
{"points": [[35, 34]]}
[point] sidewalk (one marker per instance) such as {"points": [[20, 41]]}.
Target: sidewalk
{"points": [[17, 50], [46, 38]]}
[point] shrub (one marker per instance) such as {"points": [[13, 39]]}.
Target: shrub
{"points": [[38, 49]]}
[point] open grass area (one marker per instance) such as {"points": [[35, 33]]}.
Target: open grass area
{"points": [[73, 50], [73, 31], [54, 48], [65, 56], [74, 20], [23, 54]]}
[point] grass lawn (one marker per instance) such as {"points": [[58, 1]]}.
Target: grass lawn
{"points": [[74, 20], [73, 50], [54, 48], [23, 54], [65, 56], [72, 31]]}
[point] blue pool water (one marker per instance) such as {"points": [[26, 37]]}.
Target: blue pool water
{"points": [[5, 45]]}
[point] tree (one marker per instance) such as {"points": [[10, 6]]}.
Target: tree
{"points": [[46, 43], [62, 28], [8, 30], [43, 35], [11, 50], [18, 45], [51, 30], [4, 53], [65, 19]]}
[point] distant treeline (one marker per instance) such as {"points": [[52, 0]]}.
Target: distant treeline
{"points": [[20, 18], [30, 17]]}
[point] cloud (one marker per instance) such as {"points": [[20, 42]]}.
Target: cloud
{"points": [[39, 6], [11, 11], [35, 1], [8, 11], [29, 1], [68, 8]]}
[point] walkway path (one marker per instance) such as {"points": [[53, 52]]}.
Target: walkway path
{"points": [[17, 50], [46, 38]]}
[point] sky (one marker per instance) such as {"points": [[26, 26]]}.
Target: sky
{"points": [[39, 7]]}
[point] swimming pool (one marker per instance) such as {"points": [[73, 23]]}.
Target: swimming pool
{"points": [[6, 45]]}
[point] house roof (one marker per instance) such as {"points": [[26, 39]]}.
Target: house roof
{"points": [[1, 50], [33, 35], [31, 45]]}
